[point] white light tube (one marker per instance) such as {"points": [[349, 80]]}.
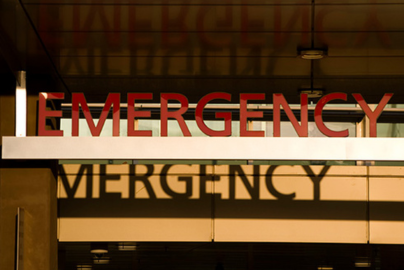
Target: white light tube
{"points": [[21, 106]]}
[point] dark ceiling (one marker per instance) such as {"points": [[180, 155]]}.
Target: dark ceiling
{"points": [[235, 256], [197, 47]]}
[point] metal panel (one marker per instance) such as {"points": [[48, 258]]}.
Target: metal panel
{"points": [[386, 185], [250, 203], [134, 203], [294, 204]]}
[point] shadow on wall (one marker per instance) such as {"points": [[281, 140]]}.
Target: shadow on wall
{"points": [[221, 191]]}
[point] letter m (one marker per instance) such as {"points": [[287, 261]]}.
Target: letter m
{"points": [[78, 99], [72, 189]]}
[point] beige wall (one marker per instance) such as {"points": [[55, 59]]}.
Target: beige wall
{"points": [[34, 190], [261, 203], [30, 185], [386, 193]]}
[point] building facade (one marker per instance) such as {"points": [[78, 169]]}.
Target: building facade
{"points": [[232, 134]]}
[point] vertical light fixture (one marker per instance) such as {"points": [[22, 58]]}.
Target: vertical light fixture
{"points": [[99, 247], [127, 246], [84, 267], [312, 54], [21, 105], [363, 262]]}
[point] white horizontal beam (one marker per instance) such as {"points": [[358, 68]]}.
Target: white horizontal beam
{"points": [[205, 148]]}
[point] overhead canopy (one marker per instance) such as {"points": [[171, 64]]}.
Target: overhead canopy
{"points": [[196, 47]]}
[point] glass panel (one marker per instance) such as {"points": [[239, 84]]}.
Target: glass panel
{"points": [[153, 125], [390, 130], [287, 129]]}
